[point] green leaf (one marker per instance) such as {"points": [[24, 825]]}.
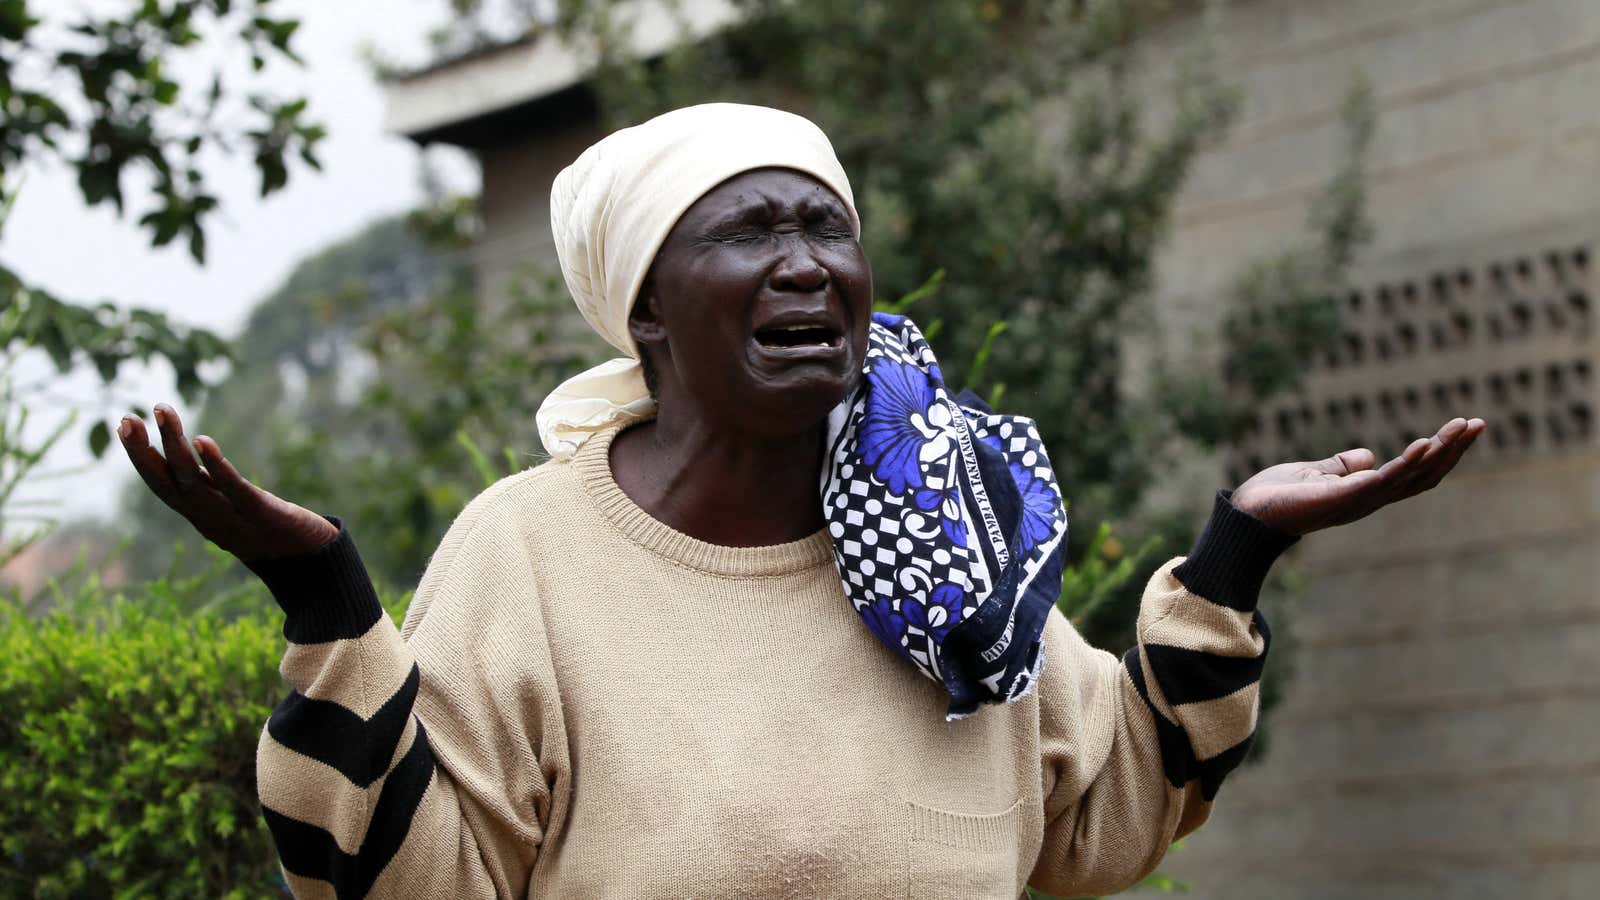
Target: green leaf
{"points": [[927, 289], [14, 20], [995, 394], [214, 94], [164, 225], [479, 460], [97, 181], [106, 363], [981, 361], [274, 175], [197, 244]]}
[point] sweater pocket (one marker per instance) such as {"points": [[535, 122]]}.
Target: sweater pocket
{"points": [[970, 856]]}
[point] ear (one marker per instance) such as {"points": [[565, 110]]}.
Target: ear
{"points": [[644, 321]]}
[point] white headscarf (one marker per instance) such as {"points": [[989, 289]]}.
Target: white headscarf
{"points": [[611, 209]]}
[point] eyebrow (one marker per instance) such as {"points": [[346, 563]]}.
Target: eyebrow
{"points": [[767, 205], [823, 201], [746, 212]]}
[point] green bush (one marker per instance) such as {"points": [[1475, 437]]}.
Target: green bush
{"points": [[127, 748]]}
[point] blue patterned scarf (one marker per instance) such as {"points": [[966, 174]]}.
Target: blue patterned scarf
{"points": [[948, 527]]}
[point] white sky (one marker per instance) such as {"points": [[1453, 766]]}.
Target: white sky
{"points": [[52, 240]]}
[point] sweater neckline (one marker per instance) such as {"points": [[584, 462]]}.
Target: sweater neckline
{"points": [[592, 463]]}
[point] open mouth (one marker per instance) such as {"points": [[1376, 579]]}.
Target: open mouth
{"points": [[785, 337]]}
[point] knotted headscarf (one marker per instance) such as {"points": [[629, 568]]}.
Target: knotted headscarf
{"points": [[611, 209], [948, 526]]}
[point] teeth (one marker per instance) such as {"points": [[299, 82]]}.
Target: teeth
{"points": [[772, 336]]}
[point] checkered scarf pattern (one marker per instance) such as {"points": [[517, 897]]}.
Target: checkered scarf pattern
{"points": [[948, 526]]}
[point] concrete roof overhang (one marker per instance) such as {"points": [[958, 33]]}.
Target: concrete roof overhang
{"points": [[531, 83]]}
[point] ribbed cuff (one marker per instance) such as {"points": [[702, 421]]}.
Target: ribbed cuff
{"points": [[1230, 559], [326, 594]]}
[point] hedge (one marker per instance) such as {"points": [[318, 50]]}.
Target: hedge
{"points": [[127, 743]]}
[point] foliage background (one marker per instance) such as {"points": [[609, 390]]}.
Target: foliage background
{"points": [[127, 752]]}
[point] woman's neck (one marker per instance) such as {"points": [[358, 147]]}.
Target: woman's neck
{"points": [[732, 489]]}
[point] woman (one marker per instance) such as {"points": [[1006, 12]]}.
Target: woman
{"points": [[681, 659]]}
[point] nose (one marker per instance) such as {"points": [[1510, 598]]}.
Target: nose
{"points": [[799, 270]]}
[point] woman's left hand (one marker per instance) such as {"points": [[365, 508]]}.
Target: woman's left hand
{"points": [[1301, 497]]}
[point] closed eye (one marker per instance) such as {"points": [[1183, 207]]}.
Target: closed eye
{"points": [[739, 235]]}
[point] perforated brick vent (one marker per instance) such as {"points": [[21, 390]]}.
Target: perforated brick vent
{"points": [[1511, 339]]}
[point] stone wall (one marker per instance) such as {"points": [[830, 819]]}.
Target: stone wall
{"points": [[517, 174], [1441, 734]]}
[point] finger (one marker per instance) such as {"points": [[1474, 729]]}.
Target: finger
{"points": [[1447, 460], [1405, 465], [1408, 457], [1416, 478], [244, 495], [1445, 437], [186, 472], [1346, 462], [1418, 458], [147, 460]]}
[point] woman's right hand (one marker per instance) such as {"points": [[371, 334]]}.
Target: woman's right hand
{"points": [[227, 510]]}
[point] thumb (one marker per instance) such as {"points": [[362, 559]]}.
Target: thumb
{"points": [[1346, 462]]}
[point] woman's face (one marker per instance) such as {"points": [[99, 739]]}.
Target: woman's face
{"points": [[757, 306]]}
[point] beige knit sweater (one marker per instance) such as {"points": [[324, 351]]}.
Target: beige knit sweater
{"points": [[583, 702]]}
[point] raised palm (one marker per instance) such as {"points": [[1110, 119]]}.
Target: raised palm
{"points": [[1300, 497], [226, 509]]}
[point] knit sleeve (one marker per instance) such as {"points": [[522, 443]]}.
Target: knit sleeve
{"points": [[1134, 749], [378, 773]]}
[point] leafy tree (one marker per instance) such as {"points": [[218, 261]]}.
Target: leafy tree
{"points": [[379, 386], [99, 94], [290, 384]]}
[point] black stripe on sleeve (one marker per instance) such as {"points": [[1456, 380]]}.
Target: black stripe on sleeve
{"points": [[1177, 754], [311, 852], [326, 594], [1178, 760], [1215, 769], [330, 733], [1192, 676], [1230, 559], [396, 807]]}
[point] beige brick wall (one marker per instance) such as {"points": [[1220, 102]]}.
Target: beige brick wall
{"points": [[1440, 737], [517, 175]]}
